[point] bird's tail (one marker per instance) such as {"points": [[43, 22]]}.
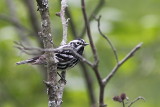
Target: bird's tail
{"points": [[32, 60]]}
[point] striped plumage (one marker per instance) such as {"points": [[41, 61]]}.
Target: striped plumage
{"points": [[66, 59]]}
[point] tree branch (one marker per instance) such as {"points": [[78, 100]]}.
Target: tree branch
{"points": [[91, 42], [108, 40], [46, 37], [137, 99], [96, 10], [128, 56], [88, 79], [64, 21], [96, 60], [119, 63], [88, 31], [62, 82]]}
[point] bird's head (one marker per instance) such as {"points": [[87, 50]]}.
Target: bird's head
{"points": [[78, 43]]}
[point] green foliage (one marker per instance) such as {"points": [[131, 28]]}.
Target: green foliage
{"points": [[126, 22]]}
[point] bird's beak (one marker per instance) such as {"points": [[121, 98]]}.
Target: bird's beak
{"points": [[85, 44]]}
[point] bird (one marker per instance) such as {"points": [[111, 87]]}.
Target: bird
{"points": [[64, 56]]}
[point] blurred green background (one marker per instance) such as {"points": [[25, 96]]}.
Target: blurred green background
{"points": [[126, 22]]}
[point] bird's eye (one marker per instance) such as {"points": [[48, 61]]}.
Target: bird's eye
{"points": [[78, 43]]}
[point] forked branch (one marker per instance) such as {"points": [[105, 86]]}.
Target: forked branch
{"points": [[96, 60], [127, 57]]}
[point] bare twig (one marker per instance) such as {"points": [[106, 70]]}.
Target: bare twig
{"points": [[89, 82], [91, 41], [84, 68], [64, 21], [26, 52], [96, 60], [128, 56], [20, 46], [82, 58], [108, 40], [119, 63], [96, 10], [137, 99], [89, 32]]}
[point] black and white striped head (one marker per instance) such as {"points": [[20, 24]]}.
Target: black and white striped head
{"points": [[78, 44]]}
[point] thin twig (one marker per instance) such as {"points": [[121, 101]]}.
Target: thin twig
{"points": [[108, 40], [91, 42], [64, 21], [89, 82], [23, 48], [96, 10], [137, 99], [96, 60], [62, 82], [89, 32], [128, 56]]}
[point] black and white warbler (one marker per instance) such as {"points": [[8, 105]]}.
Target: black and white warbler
{"points": [[65, 58]]}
